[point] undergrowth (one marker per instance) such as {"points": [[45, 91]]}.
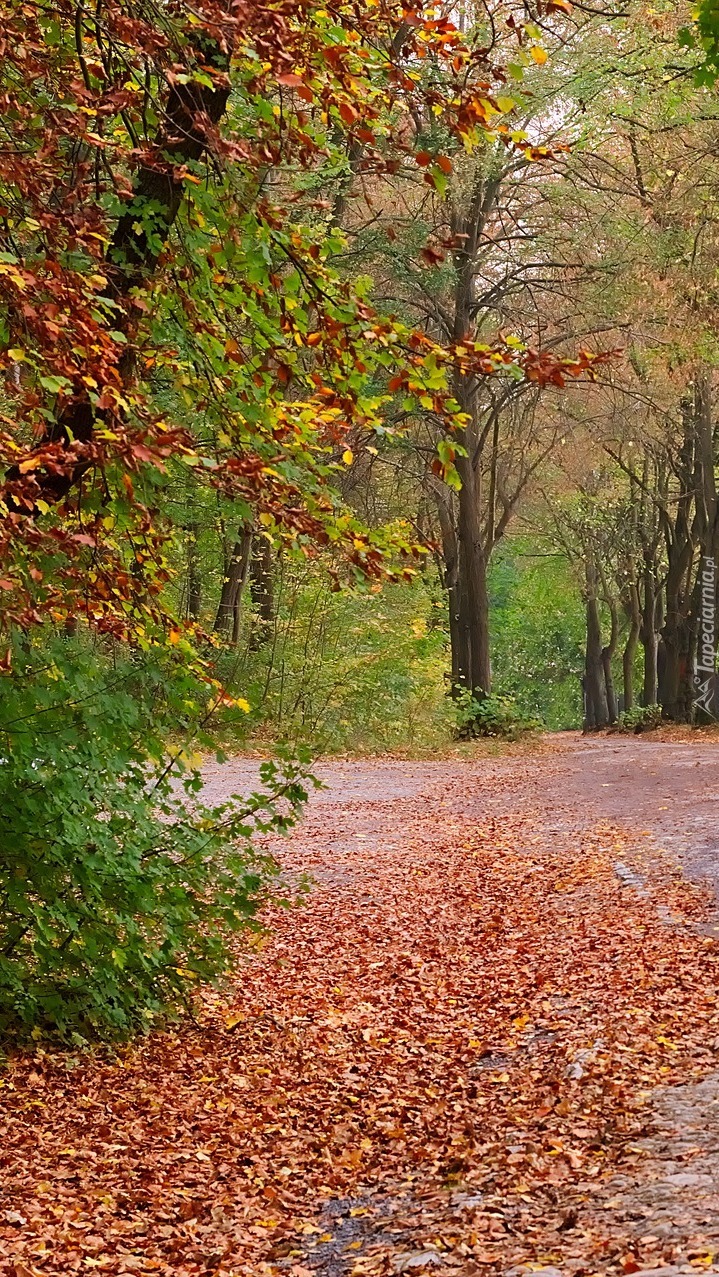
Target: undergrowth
{"points": [[120, 888]]}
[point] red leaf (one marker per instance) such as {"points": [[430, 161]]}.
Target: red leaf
{"points": [[431, 255]]}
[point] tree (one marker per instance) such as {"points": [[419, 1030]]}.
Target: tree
{"points": [[175, 326], [466, 254]]}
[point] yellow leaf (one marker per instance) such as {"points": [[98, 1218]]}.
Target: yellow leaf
{"points": [[506, 104], [12, 274], [191, 760], [539, 54], [348, 456]]}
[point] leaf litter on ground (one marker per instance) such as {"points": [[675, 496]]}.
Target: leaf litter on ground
{"points": [[444, 1062]]}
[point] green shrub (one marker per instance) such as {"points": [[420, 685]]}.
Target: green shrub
{"points": [[641, 718], [491, 716], [120, 890]]}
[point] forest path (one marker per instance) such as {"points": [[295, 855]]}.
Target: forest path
{"points": [[646, 809], [486, 1043], [668, 788], [665, 794]]}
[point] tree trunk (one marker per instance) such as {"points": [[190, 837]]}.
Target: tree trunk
{"points": [[468, 218], [449, 569], [233, 582], [194, 580], [634, 615], [465, 580], [609, 685], [649, 632], [676, 682], [262, 591], [474, 671], [608, 653], [596, 713], [703, 613]]}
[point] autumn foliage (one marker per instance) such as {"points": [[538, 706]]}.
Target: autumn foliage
{"points": [[168, 295]]}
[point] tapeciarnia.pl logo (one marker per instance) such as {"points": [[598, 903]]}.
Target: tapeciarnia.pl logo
{"points": [[704, 670]]}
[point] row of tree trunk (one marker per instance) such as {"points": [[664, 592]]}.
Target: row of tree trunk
{"points": [[644, 579], [663, 591]]}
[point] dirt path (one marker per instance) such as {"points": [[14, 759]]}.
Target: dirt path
{"points": [[487, 1043], [670, 789]]}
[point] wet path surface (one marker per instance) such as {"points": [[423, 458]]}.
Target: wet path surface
{"points": [[670, 789]]}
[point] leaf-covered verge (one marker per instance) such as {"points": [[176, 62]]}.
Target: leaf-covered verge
{"points": [[120, 888], [460, 1034]]}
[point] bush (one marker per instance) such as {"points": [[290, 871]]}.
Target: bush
{"points": [[641, 718], [120, 889], [491, 716]]}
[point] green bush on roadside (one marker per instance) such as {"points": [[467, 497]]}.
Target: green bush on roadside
{"points": [[640, 718], [491, 716], [120, 890]]}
